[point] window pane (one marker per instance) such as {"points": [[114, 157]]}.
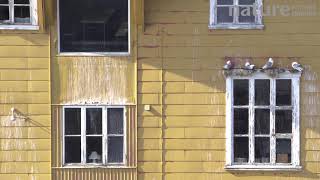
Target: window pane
{"points": [[241, 149], [4, 13], [94, 26], [241, 92], [72, 150], [224, 14], [283, 121], [283, 94], [94, 149], [241, 121], [21, 1], [94, 120], [22, 14], [246, 2], [225, 2], [262, 121], [115, 149], [262, 92], [246, 15], [4, 2], [262, 150], [283, 151], [72, 121], [115, 121]]}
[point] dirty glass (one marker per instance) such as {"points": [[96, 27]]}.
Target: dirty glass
{"points": [[262, 149], [21, 2], [22, 14], [246, 15], [115, 149], [115, 121], [72, 149], [283, 150], [262, 92], [262, 121], [225, 2], [225, 14], [283, 121], [246, 2], [72, 121], [93, 26], [241, 92], [94, 149], [241, 149], [283, 92], [241, 125], [4, 13], [94, 120]]}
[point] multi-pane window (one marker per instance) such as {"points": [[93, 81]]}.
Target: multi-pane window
{"points": [[263, 121], [18, 12], [95, 26], [94, 135], [233, 14]]}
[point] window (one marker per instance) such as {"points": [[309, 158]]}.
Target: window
{"points": [[263, 122], [95, 26], [236, 14], [94, 135], [18, 14]]}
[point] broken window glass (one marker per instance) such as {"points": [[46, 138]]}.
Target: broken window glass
{"points": [[115, 121], [283, 121], [283, 92], [72, 121], [241, 120], [94, 120], [283, 150], [115, 149], [94, 149], [262, 92], [241, 92], [94, 26], [72, 149], [241, 149], [262, 149], [262, 121]]}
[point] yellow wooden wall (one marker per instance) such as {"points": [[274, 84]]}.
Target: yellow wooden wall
{"points": [[25, 85], [179, 75]]}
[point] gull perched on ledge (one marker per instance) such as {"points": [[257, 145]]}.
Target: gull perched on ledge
{"points": [[249, 66], [228, 65], [269, 64], [297, 66]]}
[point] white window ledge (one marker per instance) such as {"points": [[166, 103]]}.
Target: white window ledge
{"points": [[19, 27], [94, 54], [93, 167], [263, 168], [236, 26]]}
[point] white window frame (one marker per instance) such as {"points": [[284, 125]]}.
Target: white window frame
{"points": [[11, 25], [258, 24], [295, 139], [105, 136], [94, 53]]}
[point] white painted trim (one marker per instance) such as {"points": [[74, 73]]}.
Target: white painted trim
{"points": [[263, 168], [94, 53]]}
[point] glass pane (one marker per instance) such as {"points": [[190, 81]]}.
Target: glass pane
{"points": [[283, 121], [246, 2], [225, 2], [94, 149], [94, 120], [21, 1], [241, 121], [262, 150], [283, 92], [246, 15], [22, 14], [72, 121], [262, 121], [94, 26], [4, 1], [115, 121], [262, 92], [241, 92], [224, 14], [115, 149], [4, 13], [241, 149], [283, 151], [72, 149]]}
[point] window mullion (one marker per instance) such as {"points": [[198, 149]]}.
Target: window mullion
{"points": [[236, 12], [105, 136], [272, 121], [83, 135], [251, 121], [295, 147], [11, 11]]}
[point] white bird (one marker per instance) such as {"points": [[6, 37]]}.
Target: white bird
{"points": [[297, 66], [269, 64], [228, 65], [249, 66]]}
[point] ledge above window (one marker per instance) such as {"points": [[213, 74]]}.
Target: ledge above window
{"points": [[19, 27], [236, 26], [263, 167]]}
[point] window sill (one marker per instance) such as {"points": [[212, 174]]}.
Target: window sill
{"points": [[19, 27], [234, 26], [93, 166], [263, 168], [98, 54]]}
